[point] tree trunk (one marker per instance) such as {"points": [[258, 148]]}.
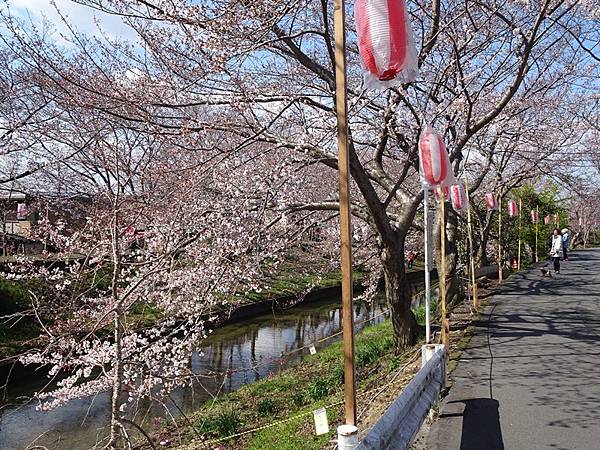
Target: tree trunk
{"points": [[481, 258], [397, 292], [117, 388]]}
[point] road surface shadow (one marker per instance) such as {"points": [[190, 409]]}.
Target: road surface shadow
{"points": [[480, 424]]}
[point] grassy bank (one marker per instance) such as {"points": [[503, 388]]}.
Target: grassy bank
{"points": [[14, 331], [290, 396]]}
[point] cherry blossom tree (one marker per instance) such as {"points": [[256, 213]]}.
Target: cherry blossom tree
{"points": [[163, 229], [272, 86]]}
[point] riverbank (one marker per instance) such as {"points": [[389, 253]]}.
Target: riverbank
{"points": [[277, 413], [245, 351], [283, 290]]}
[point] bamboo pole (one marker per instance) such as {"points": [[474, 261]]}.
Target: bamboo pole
{"points": [[345, 223], [442, 275], [500, 259], [427, 265], [537, 225], [471, 257], [520, 239]]}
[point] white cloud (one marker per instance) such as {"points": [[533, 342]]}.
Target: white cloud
{"points": [[84, 19]]}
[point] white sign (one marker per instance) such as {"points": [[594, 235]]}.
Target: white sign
{"points": [[313, 350], [321, 423]]}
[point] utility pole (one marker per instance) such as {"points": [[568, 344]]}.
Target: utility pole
{"points": [[500, 259], [520, 215], [442, 275], [427, 264], [341, 105], [471, 258], [537, 220]]}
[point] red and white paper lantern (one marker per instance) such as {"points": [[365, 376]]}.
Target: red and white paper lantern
{"points": [[433, 158], [460, 201], [513, 210], [490, 201], [21, 211], [445, 189], [385, 42], [534, 216], [547, 220]]}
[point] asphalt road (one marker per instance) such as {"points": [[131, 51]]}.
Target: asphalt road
{"points": [[530, 378]]}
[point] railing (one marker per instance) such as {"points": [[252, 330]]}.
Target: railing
{"points": [[398, 426]]}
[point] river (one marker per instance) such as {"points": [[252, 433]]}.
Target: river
{"points": [[246, 351]]}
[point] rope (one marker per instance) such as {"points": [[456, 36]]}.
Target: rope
{"points": [[269, 425], [304, 347], [369, 392]]}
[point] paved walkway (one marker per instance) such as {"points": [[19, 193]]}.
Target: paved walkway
{"points": [[530, 378]]}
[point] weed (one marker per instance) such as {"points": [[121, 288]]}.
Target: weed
{"points": [[318, 389], [394, 363], [368, 353], [337, 376], [224, 424], [266, 407], [420, 312], [298, 399]]}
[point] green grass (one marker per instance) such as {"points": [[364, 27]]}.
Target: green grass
{"points": [[14, 297], [420, 312], [316, 382], [289, 283]]}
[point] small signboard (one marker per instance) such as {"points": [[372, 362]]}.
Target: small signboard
{"points": [[321, 423]]}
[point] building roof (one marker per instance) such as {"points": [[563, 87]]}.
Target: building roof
{"points": [[4, 195]]}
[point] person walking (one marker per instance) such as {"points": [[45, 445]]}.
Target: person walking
{"points": [[566, 240], [555, 249]]}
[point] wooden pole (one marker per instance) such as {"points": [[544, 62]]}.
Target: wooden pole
{"points": [[442, 275], [500, 259], [520, 239], [427, 264], [537, 225], [345, 224], [471, 257]]}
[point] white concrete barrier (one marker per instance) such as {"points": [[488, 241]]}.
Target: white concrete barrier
{"points": [[397, 427]]}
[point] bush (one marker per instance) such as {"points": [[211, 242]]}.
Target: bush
{"points": [[13, 296], [318, 389], [298, 399], [337, 376], [368, 354], [224, 424], [267, 407]]}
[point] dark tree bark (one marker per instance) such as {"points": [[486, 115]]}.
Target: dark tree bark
{"points": [[398, 296]]}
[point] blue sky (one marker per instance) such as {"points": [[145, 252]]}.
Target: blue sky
{"points": [[83, 18]]}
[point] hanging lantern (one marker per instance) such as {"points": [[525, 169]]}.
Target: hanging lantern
{"points": [[21, 211], [556, 218], [385, 42], [460, 201], [438, 190], [580, 221], [534, 216], [490, 201], [433, 159], [513, 210], [547, 220]]}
